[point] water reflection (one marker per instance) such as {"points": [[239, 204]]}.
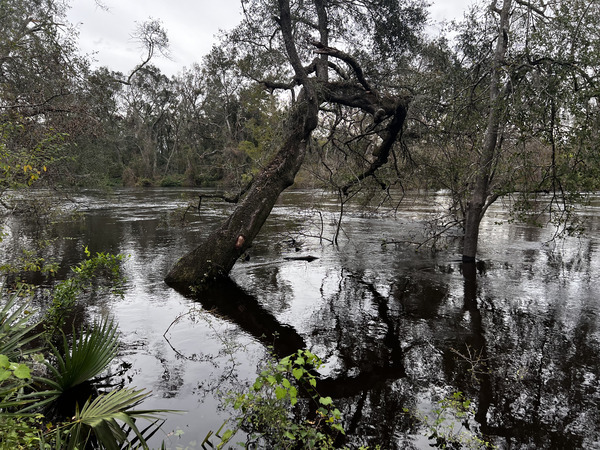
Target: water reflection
{"points": [[517, 333], [228, 301]]}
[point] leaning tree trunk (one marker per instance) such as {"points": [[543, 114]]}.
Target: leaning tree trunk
{"points": [[216, 255], [214, 258], [481, 197]]}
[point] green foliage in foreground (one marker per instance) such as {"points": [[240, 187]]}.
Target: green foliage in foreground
{"points": [[106, 420], [100, 418], [88, 356], [82, 278], [266, 412], [283, 410]]}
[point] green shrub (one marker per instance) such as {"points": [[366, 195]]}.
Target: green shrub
{"points": [[450, 424], [65, 294], [265, 412]]}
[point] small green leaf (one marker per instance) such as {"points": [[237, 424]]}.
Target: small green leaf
{"points": [[326, 401], [297, 373], [4, 374], [289, 435], [238, 402], [280, 392], [226, 436], [22, 371], [338, 427]]}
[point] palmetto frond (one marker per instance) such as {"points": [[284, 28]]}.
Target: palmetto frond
{"points": [[15, 329], [91, 353], [102, 415], [15, 333]]}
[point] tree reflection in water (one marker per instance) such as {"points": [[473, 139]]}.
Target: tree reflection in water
{"points": [[528, 359]]}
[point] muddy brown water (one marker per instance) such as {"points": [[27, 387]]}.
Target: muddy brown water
{"points": [[517, 333]]}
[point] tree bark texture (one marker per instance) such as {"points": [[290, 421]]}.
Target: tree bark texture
{"points": [[480, 198]]}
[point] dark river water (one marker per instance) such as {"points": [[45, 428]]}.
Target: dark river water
{"points": [[517, 334]]}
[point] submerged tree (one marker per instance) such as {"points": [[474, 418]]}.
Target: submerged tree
{"points": [[505, 111], [292, 47], [481, 197]]}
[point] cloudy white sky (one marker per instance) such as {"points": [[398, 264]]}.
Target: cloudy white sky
{"points": [[191, 25]]}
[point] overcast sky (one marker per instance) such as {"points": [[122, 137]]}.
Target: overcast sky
{"points": [[191, 25]]}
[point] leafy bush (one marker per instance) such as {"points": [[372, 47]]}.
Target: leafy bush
{"points": [[266, 412], [450, 425], [83, 275]]}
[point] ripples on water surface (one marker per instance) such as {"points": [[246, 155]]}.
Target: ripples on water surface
{"points": [[396, 328]]}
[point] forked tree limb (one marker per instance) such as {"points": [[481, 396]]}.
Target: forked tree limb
{"points": [[348, 59]]}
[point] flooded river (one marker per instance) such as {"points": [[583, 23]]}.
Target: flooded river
{"points": [[518, 333]]}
